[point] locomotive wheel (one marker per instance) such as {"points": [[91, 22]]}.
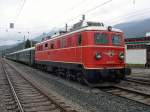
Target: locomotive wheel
{"points": [[120, 75], [117, 80], [80, 78], [68, 73], [55, 71], [45, 68]]}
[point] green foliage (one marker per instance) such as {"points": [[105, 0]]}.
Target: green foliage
{"points": [[28, 44], [136, 65]]}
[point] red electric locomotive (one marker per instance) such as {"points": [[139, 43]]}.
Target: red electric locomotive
{"points": [[89, 52]]}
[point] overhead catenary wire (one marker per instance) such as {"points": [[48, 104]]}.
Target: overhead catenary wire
{"points": [[19, 12], [87, 11], [133, 14], [118, 19], [77, 5]]}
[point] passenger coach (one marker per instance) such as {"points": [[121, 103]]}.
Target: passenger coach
{"points": [[25, 56]]}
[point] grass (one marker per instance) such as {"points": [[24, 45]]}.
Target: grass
{"points": [[136, 65]]}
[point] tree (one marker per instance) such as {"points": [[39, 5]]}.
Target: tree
{"points": [[28, 44]]}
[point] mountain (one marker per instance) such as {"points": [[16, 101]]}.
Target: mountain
{"points": [[131, 29], [5, 47], [39, 38], [135, 29], [2, 48]]}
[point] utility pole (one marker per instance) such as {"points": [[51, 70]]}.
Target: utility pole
{"points": [[134, 2], [24, 41], [66, 27], [83, 17], [30, 43], [30, 39]]}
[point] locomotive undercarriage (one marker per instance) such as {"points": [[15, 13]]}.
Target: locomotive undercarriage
{"points": [[76, 72]]}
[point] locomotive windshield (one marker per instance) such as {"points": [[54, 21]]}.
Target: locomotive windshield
{"points": [[101, 38], [95, 24], [116, 39]]}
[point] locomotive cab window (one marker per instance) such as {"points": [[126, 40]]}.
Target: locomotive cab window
{"points": [[63, 42], [116, 39], [101, 38], [79, 39]]}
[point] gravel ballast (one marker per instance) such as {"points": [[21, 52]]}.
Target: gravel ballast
{"points": [[93, 100], [2, 91]]}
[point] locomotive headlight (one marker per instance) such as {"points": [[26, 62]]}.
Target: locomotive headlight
{"points": [[98, 56], [121, 55]]}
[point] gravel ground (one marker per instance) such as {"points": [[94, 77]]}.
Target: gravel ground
{"points": [[2, 103], [93, 100], [141, 72], [136, 86]]}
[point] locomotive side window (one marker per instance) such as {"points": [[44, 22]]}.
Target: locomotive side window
{"points": [[69, 41], [101, 38], [46, 45], [116, 39], [63, 42], [58, 43], [52, 45], [41, 47], [79, 39]]}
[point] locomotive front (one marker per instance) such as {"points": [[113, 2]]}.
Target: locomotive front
{"points": [[104, 55]]}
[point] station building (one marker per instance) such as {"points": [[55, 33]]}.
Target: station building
{"points": [[138, 50]]}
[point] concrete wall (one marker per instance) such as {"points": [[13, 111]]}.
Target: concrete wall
{"points": [[136, 56]]}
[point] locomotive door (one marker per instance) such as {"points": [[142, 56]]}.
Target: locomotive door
{"points": [[111, 50], [79, 48]]}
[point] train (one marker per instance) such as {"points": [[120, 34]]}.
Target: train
{"points": [[90, 52]]}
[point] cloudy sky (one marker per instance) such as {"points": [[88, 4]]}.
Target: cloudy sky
{"points": [[33, 17]]}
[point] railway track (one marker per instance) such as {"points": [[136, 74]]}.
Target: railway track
{"points": [[130, 93], [126, 92], [9, 101], [139, 80], [21, 95]]}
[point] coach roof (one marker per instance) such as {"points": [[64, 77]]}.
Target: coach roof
{"points": [[28, 49]]}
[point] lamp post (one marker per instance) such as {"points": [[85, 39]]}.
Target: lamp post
{"points": [[24, 42]]}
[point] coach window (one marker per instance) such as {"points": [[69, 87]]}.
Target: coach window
{"points": [[101, 38], [79, 39]]}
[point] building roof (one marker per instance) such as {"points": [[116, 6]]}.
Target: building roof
{"points": [[141, 40]]}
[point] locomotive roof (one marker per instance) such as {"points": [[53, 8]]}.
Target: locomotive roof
{"points": [[28, 49], [102, 28]]}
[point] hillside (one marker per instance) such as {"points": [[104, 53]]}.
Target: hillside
{"points": [[5, 47], [39, 38], [131, 29], [135, 29]]}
